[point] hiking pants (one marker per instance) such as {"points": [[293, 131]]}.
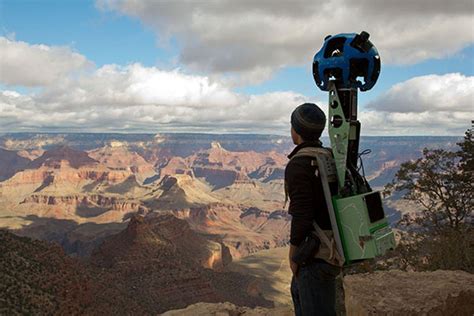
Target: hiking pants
{"points": [[313, 290]]}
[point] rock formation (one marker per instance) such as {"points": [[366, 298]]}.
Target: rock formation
{"points": [[239, 229], [227, 191], [54, 158], [66, 183], [160, 262], [10, 163], [117, 156], [164, 235], [222, 168], [175, 166]]}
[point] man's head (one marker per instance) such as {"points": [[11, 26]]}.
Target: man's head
{"points": [[307, 123]]}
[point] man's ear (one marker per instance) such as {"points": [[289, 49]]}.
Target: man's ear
{"points": [[297, 139]]}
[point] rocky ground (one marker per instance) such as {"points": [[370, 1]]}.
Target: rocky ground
{"points": [[228, 309], [410, 293], [381, 293]]}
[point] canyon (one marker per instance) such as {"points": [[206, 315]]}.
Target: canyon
{"points": [[158, 215], [230, 187]]}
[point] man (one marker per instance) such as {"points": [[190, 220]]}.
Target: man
{"points": [[313, 283]]}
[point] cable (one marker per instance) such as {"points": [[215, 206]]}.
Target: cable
{"points": [[365, 152]]}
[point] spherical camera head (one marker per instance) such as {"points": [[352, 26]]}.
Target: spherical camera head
{"points": [[349, 59]]}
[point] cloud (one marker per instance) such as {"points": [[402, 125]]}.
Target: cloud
{"points": [[436, 123], [432, 93], [433, 104], [146, 99], [132, 85], [37, 65], [236, 37]]}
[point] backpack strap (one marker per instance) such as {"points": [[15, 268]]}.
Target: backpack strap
{"points": [[324, 155], [313, 152], [327, 237]]}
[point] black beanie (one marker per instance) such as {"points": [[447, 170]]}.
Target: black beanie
{"points": [[308, 120]]}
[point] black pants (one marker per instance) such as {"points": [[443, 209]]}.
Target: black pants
{"points": [[313, 290]]}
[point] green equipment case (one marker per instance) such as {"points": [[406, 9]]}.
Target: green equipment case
{"points": [[361, 230]]}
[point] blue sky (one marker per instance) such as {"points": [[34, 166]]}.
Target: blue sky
{"points": [[104, 37], [109, 32]]}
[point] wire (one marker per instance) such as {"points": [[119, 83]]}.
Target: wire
{"points": [[365, 152]]}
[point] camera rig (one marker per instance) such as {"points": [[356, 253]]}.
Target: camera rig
{"points": [[346, 63]]}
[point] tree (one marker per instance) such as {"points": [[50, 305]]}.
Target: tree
{"points": [[467, 152], [441, 183]]}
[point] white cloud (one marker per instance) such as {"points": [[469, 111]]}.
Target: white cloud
{"points": [[239, 37], [148, 99], [432, 93], [141, 98], [37, 65], [434, 123], [433, 104], [113, 85]]}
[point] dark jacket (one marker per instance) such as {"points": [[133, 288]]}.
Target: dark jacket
{"points": [[306, 196]]}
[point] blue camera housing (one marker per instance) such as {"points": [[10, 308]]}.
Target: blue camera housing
{"points": [[347, 58]]}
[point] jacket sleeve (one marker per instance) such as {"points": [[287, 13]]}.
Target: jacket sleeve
{"points": [[300, 182], [300, 228]]}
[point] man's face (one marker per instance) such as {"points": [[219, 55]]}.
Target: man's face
{"points": [[295, 137]]}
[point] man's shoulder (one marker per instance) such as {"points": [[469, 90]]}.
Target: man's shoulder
{"points": [[299, 161], [302, 157], [299, 166]]}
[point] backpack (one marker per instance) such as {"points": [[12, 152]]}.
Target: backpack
{"points": [[328, 250]]}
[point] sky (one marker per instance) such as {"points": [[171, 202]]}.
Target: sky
{"points": [[227, 66]]}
